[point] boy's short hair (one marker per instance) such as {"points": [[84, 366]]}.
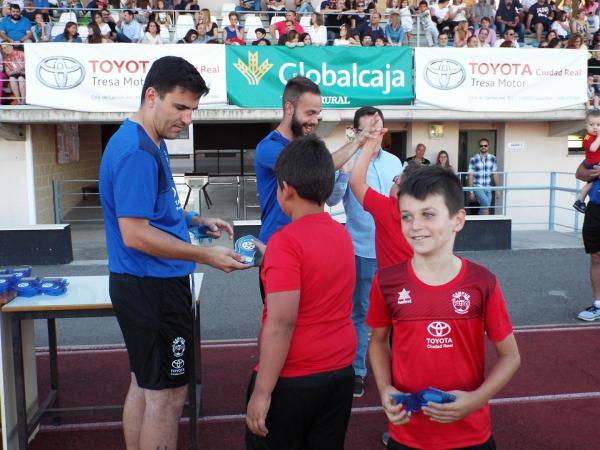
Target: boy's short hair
{"points": [[306, 165], [424, 2], [261, 30], [423, 181], [592, 115], [366, 111]]}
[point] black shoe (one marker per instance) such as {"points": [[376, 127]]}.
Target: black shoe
{"points": [[579, 206], [359, 386]]}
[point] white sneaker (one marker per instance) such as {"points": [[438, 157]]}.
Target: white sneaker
{"points": [[590, 314]]}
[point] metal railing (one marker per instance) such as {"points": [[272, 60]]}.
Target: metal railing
{"points": [[535, 200]]}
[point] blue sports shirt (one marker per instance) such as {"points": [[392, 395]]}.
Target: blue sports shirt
{"points": [[131, 186], [271, 215]]}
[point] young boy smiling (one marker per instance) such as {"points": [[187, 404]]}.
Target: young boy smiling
{"points": [[440, 307]]}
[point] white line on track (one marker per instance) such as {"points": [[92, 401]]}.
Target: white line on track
{"points": [[359, 410]]}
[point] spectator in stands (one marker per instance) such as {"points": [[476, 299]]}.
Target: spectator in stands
{"points": [[40, 31], [372, 28], [485, 24], [406, 20], [555, 43], [234, 32], [473, 42], [442, 40], [152, 34], [305, 39], [508, 17], [15, 28], [544, 44], [394, 32], [440, 14], [288, 26], [392, 6], [420, 149], [203, 36], [564, 5], [443, 160], [3, 78], [427, 25], [550, 35], [275, 7], [333, 22], [480, 10], [30, 9], [211, 27], [69, 34], [129, 27], [317, 30], [95, 35], [262, 41], [14, 67], [539, 18], [189, 38], [461, 34], [279, 29], [74, 6], [576, 42], [162, 16], [260, 33], [593, 102], [360, 18], [483, 37], [248, 5], [344, 39], [594, 61], [292, 39], [561, 25], [366, 41], [580, 25], [508, 36], [591, 9], [379, 42], [458, 13], [102, 26]]}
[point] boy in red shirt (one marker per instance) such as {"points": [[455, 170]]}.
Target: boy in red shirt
{"points": [[591, 142], [440, 307], [300, 394]]}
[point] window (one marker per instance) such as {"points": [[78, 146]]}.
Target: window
{"points": [[576, 144]]}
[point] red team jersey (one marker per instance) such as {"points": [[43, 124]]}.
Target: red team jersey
{"points": [[390, 245], [438, 340], [590, 157], [314, 255]]}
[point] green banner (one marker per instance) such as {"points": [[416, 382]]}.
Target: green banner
{"points": [[348, 76]]}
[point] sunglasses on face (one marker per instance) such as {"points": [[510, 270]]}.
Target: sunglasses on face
{"points": [[483, 145]]}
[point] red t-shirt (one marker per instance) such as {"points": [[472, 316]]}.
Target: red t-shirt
{"points": [[280, 27], [438, 340], [590, 157], [314, 255], [390, 244]]}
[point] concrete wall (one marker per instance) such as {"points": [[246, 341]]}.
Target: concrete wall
{"points": [[13, 184], [46, 169]]}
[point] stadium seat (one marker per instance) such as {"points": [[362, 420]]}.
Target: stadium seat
{"points": [[57, 28], [67, 17], [181, 31], [165, 34], [226, 8], [251, 23], [185, 22], [305, 22], [83, 32]]}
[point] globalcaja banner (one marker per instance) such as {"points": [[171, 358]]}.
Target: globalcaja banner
{"points": [[348, 76], [109, 77], [500, 79]]}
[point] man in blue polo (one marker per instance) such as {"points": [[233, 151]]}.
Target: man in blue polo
{"points": [[15, 28], [150, 257]]}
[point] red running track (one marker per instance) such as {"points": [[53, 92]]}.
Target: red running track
{"points": [[552, 403]]}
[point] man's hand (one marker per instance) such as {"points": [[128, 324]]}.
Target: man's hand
{"points": [[396, 414], [373, 130], [214, 225], [256, 414], [224, 259], [465, 404]]}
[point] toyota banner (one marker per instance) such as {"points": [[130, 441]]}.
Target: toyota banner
{"points": [[500, 79], [109, 77], [347, 76]]}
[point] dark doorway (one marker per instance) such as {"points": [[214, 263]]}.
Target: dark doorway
{"points": [[398, 144]]}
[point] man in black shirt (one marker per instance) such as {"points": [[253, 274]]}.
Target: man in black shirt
{"points": [[508, 16]]}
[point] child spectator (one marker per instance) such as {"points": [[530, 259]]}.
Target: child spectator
{"points": [[473, 42], [379, 42], [14, 67], [300, 394], [406, 19], [591, 142], [561, 25], [486, 24], [234, 32], [441, 307], [461, 34], [427, 25], [394, 32]]}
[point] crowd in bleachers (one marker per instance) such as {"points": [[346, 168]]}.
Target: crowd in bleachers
{"points": [[441, 23]]}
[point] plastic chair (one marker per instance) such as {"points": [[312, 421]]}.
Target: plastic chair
{"points": [[67, 17], [305, 22], [165, 34], [83, 32]]}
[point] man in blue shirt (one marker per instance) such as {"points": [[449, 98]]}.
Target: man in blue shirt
{"points": [[150, 256], [15, 28], [129, 27], [482, 169], [359, 223]]}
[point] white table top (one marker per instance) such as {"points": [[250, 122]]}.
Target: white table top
{"points": [[84, 292]]}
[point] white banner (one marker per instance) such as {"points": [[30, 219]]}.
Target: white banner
{"points": [[109, 77], [500, 79]]}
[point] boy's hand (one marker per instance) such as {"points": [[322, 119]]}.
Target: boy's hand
{"points": [[373, 130], [261, 248], [396, 414], [465, 404], [256, 414]]}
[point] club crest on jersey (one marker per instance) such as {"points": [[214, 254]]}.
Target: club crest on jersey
{"points": [[461, 302], [404, 297]]}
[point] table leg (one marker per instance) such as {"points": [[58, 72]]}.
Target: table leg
{"points": [[53, 352], [17, 344]]}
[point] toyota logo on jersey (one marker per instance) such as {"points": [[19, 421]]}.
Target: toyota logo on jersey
{"points": [[439, 339]]}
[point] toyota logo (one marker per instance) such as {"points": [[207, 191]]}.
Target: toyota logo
{"points": [[444, 74], [177, 364], [439, 329], [60, 72]]}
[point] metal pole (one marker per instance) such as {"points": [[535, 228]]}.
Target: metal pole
{"points": [[57, 201], [576, 224], [552, 201]]}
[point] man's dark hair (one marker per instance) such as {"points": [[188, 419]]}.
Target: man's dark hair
{"points": [[261, 30], [424, 2], [15, 6], [129, 12], [366, 111], [423, 181], [306, 165], [483, 139], [169, 72], [297, 86]]}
